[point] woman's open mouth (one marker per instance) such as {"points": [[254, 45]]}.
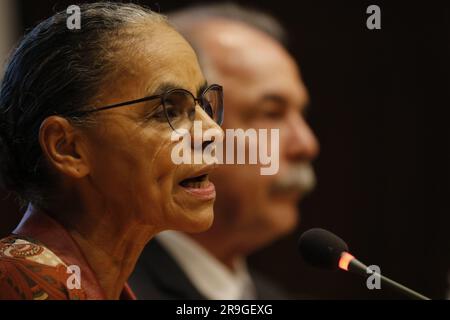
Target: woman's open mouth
{"points": [[199, 186], [195, 182]]}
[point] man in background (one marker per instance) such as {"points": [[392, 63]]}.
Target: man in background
{"points": [[244, 51]]}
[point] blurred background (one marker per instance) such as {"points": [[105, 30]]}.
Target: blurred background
{"points": [[379, 107]]}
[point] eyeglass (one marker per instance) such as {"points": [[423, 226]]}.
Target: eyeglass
{"points": [[178, 104]]}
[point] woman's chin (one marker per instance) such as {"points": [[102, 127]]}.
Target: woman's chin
{"points": [[193, 213], [196, 220]]}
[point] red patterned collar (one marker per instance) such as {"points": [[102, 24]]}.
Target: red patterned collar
{"points": [[39, 226]]}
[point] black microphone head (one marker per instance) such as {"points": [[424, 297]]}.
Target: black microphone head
{"points": [[321, 248]]}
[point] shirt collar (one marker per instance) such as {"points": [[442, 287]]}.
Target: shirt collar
{"points": [[210, 277]]}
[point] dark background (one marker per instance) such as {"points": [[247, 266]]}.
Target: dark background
{"points": [[379, 109]]}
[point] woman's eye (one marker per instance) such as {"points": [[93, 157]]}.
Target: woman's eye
{"points": [[172, 112], [160, 115], [157, 114]]}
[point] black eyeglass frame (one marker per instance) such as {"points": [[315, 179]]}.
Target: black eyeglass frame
{"points": [[163, 97]]}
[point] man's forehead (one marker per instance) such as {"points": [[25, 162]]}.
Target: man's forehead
{"points": [[234, 47], [249, 60]]}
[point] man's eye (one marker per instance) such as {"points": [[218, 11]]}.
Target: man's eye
{"points": [[272, 114]]}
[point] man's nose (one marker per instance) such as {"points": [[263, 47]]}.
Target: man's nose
{"points": [[206, 124], [301, 142]]}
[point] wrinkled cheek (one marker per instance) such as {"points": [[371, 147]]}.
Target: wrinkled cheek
{"points": [[114, 180], [157, 185]]}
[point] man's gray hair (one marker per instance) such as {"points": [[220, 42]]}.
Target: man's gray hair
{"points": [[186, 18]]}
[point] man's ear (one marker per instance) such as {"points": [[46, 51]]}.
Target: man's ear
{"points": [[63, 147]]}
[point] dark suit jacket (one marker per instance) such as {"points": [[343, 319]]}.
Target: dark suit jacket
{"points": [[158, 276]]}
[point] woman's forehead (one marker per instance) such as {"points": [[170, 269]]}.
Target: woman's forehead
{"points": [[144, 68], [170, 59]]}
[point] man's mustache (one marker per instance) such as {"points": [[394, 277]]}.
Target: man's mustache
{"points": [[299, 177]]}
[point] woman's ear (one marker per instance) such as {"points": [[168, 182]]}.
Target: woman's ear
{"points": [[63, 147]]}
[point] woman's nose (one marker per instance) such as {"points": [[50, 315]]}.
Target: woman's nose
{"points": [[210, 130]]}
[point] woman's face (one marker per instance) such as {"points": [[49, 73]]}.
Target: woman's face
{"points": [[129, 150]]}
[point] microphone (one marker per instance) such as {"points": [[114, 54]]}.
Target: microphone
{"points": [[323, 249]]}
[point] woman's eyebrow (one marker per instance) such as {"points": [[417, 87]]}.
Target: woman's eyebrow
{"points": [[164, 87], [167, 86]]}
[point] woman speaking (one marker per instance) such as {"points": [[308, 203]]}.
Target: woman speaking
{"points": [[86, 119]]}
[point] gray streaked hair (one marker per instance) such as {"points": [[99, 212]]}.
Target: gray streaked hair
{"points": [[55, 71]]}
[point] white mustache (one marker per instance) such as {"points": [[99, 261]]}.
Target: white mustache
{"points": [[299, 177]]}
